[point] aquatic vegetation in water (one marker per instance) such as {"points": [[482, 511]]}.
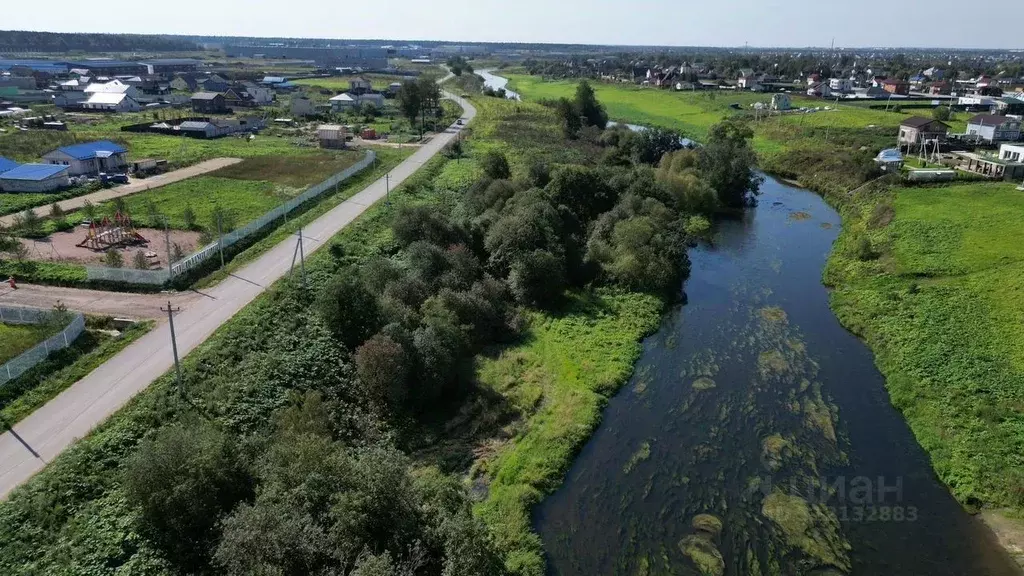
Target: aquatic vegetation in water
{"points": [[810, 527], [707, 523], [799, 215], [704, 554], [826, 225], [642, 454], [772, 362], [773, 314], [773, 451], [703, 383]]}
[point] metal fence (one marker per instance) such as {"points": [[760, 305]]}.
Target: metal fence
{"points": [[19, 365], [158, 277]]}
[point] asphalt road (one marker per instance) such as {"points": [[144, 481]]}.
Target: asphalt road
{"points": [[133, 186], [36, 440]]}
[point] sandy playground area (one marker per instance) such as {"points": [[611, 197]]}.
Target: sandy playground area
{"points": [[62, 247]]}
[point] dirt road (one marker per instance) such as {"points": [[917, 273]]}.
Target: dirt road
{"points": [[49, 430], [137, 186], [98, 302]]}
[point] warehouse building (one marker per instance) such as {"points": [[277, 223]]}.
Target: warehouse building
{"points": [[35, 178], [90, 158]]}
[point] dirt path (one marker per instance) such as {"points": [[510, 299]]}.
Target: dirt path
{"points": [[98, 302], [138, 185]]}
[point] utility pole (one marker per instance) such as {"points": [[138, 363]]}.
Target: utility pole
{"points": [[220, 240], [387, 188], [167, 244], [174, 345], [300, 253]]}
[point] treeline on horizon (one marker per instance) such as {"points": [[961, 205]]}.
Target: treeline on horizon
{"points": [[29, 41]]}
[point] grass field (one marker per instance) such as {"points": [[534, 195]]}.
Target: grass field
{"points": [[17, 338], [340, 84], [943, 309]]}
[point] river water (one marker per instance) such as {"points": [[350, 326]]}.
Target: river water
{"points": [[753, 408], [495, 82]]}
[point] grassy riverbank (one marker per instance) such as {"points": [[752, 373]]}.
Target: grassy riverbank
{"points": [[930, 277]]}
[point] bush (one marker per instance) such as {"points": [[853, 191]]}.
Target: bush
{"points": [[113, 258], [349, 310], [495, 165], [140, 261], [413, 223], [384, 366], [941, 113], [183, 480], [538, 278]]}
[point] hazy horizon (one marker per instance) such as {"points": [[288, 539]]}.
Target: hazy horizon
{"points": [[727, 24]]}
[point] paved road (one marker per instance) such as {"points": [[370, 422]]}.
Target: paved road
{"points": [[98, 302], [71, 415], [136, 186]]}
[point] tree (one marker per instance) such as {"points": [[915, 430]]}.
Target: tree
{"points": [[539, 174], [423, 222], [113, 258], [410, 100], [140, 261], [583, 190], [941, 113], [569, 116], [495, 165], [56, 212], [30, 223], [587, 106], [177, 252], [439, 345], [188, 216], [153, 213], [273, 538], [726, 162], [221, 219], [383, 366], [182, 480], [349, 309], [89, 209], [678, 175], [538, 278]]}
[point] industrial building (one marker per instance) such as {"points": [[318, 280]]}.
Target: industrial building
{"points": [[326, 57], [35, 178]]}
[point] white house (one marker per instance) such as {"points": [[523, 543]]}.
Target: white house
{"points": [[301, 106], [840, 84], [260, 94], [110, 102], [992, 128], [1011, 152], [34, 178], [112, 87], [342, 102], [69, 99], [331, 135], [89, 157], [819, 89]]}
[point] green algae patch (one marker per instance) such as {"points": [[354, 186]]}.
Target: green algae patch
{"points": [[641, 455], [772, 362], [704, 555], [810, 528], [707, 523], [773, 314], [703, 383]]}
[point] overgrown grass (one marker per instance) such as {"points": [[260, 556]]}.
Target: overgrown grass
{"points": [[17, 338], [295, 171], [941, 303], [23, 395], [558, 381]]}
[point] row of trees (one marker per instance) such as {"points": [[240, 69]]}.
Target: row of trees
{"points": [[458, 65], [420, 98]]}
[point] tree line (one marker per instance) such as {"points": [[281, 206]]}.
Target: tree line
{"points": [[28, 41]]}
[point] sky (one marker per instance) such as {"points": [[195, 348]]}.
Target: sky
{"points": [[760, 23]]}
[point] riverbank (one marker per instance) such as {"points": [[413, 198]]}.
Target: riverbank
{"points": [[930, 278]]}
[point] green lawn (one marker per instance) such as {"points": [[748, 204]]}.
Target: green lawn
{"points": [[17, 338], [942, 307]]}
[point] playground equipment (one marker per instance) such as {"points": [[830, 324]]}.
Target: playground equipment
{"points": [[107, 234]]}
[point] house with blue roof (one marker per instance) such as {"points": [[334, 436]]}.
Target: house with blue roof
{"points": [[90, 158], [6, 164], [35, 178]]}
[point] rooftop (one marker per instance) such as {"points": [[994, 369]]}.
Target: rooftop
{"points": [[988, 119], [6, 164], [106, 98], [920, 121], [33, 172], [205, 95], [89, 150]]}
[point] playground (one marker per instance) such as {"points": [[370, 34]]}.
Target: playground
{"points": [[76, 246]]}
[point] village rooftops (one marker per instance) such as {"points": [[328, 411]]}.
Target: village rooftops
{"points": [[106, 98], [920, 122], [89, 150], [989, 120], [6, 164], [33, 172], [205, 95]]}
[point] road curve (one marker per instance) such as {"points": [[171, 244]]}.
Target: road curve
{"points": [[52, 428]]}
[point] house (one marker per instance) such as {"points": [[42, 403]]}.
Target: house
{"points": [[342, 102], [877, 81], [238, 98], [371, 98], [988, 166], [184, 84], [840, 85], [916, 130], [108, 102], [112, 87], [212, 84], [35, 178], [6, 164], [934, 73], [819, 89], [260, 95], [991, 128], [394, 87], [898, 87], [331, 135], [1009, 105], [69, 99], [198, 129], [359, 85], [1007, 152], [272, 80], [169, 65], [940, 88], [89, 157], [917, 80], [209, 103], [301, 106], [780, 102], [746, 79]]}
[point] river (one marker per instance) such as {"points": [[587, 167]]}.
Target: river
{"points": [[756, 435], [495, 82]]}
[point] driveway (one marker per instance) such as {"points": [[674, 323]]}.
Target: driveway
{"points": [[97, 302], [137, 185], [74, 413]]}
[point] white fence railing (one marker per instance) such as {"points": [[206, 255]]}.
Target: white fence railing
{"points": [[26, 360], [158, 277]]}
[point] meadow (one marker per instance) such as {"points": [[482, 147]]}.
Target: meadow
{"points": [[940, 299]]}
